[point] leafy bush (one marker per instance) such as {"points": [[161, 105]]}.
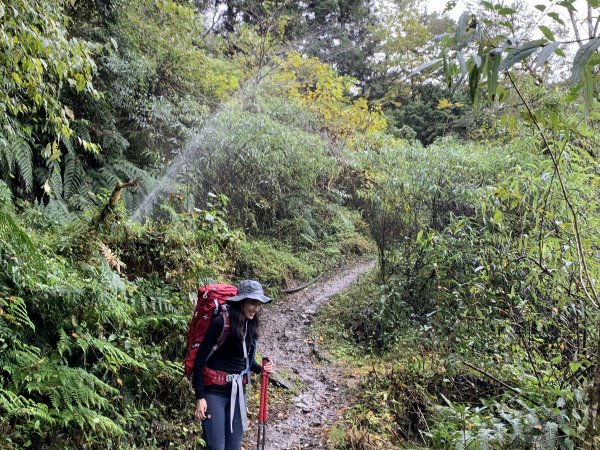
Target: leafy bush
{"points": [[43, 62], [272, 264], [483, 266]]}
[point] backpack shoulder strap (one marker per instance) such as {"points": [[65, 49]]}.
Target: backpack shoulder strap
{"points": [[224, 333], [226, 325], [251, 357]]}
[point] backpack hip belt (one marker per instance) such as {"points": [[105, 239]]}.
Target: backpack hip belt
{"points": [[237, 380], [214, 377]]}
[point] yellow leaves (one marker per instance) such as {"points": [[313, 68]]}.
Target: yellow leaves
{"points": [[55, 151], [16, 78], [89, 146], [322, 90], [444, 103]]}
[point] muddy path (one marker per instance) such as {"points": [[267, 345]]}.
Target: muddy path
{"points": [[286, 339]]}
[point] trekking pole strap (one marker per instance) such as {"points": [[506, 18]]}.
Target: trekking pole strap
{"points": [[237, 396]]}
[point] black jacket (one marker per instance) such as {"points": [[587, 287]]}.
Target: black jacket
{"points": [[229, 357]]}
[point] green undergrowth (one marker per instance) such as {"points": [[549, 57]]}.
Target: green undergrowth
{"points": [[94, 314], [274, 265], [472, 326], [412, 393], [279, 264], [395, 396]]}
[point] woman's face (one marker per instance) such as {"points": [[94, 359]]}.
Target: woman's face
{"points": [[250, 307]]}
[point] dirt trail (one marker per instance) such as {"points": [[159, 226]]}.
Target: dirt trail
{"points": [[286, 340]]}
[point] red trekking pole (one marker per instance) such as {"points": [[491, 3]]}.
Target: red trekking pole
{"points": [[264, 407]]}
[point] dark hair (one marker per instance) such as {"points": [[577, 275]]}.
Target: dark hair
{"points": [[238, 323]]}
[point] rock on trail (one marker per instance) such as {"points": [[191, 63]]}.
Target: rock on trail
{"points": [[286, 339]]}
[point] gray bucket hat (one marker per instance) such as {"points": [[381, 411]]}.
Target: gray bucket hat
{"points": [[250, 289]]}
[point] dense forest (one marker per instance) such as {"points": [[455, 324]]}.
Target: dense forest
{"points": [[150, 146]]}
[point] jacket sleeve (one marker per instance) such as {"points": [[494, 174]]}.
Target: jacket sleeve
{"points": [[210, 339], [256, 367]]}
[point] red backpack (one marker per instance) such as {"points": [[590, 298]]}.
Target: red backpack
{"points": [[211, 303]]}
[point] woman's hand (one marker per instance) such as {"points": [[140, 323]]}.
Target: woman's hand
{"points": [[268, 367], [200, 413]]}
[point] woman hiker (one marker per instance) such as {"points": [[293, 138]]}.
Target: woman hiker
{"points": [[219, 375]]}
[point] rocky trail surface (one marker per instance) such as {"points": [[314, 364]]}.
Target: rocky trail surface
{"points": [[285, 338]]}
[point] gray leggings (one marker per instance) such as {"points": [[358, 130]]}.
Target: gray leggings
{"points": [[217, 432]]}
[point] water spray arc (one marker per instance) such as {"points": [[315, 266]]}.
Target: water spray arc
{"points": [[195, 155]]}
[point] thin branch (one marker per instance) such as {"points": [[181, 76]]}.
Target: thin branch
{"points": [[212, 26], [590, 20], [499, 381], [574, 23]]}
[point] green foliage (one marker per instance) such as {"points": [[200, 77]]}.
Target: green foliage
{"points": [[513, 424], [337, 32], [187, 247], [159, 88], [272, 265], [431, 115], [79, 345], [496, 42], [343, 320], [39, 62], [273, 160], [479, 260]]}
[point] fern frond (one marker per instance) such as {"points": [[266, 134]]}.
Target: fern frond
{"points": [[114, 356], [73, 175], [114, 142], [548, 440], [55, 179], [18, 241], [82, 199], [14, 311], [68, 143], [108, 178], [515, 423], [126, 171], [58, 212], [7, 156], [81, 129], [111, 282], [17, 406], [86, 418], [65, 344], [107, 299], [24, 159], [16, 159]]}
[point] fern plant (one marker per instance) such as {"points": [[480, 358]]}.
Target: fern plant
{"points": [[16, 160], [500, 425]]}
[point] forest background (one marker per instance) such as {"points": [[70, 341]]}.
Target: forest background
{"points": [[148, 146]]}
